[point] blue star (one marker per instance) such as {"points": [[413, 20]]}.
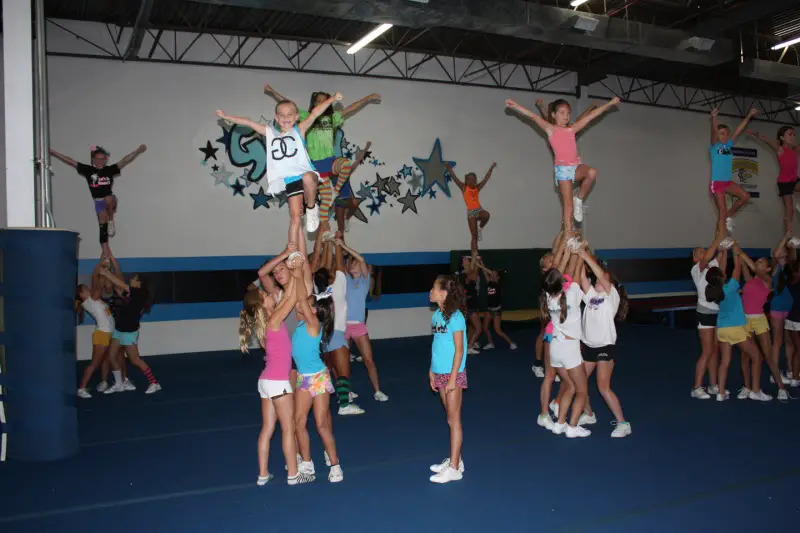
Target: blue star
{"points": [[348, 154], [374, 208], [238, 188], [225, 140], [406, 171], [434, 169], [374, 162], [365, 191], [381, 199], [431, 194], [260, 199]]}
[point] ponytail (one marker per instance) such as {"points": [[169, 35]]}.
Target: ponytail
{"points": [[252, 319], [714, 292], [455, 295], [624, 306]]}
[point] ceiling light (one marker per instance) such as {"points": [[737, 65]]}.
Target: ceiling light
{"points": [[797, 108], [576, 3], [697, 43], [786, 44], [368, 38]]}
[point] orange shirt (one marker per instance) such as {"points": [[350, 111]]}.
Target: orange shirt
{"points": [[471, 198]]}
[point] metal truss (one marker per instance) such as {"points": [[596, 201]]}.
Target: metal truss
{"points": [[69, 38]]}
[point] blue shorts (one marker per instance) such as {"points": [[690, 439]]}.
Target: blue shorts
{"points": [[346, 191], [565, 173], [324, 166], [126, 338], [337, 341]]}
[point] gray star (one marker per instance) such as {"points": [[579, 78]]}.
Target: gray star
{"points": [[393, 187], [433, 169], [358, 213], [222, 177], [409, 201], [380, 183]]}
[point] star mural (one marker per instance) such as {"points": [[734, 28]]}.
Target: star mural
{"points": [[358, 213], [415, 182], [365, 191], [222, 176], [409, 202], [238, 188], [393, 187], [406, 171], [260, 199], [209, 151], [433, 170], [381, 183], [374, 208]]}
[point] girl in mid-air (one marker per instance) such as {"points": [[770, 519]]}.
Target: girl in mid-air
{"points": [[722, 169], [289, 168], [100, 178], [477, 216], [568, 165], [788, 152]]}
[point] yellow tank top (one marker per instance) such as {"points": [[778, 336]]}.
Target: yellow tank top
{"points": [[471, 198]]}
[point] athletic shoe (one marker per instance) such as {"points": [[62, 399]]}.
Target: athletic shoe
{"points": [[729, 224], [783, 396], [558, 429], [577, 432], [760, 396], [489, 346], [128, 385], [300, 478], [335, 475], [306, 467], [152, 388], [83, 393], [380, 397], [352, 396], [263, 480], [346, 224], [102, 386], [786, 380], [623, 429], [723, 397], [473, 351], [116, 387], [300, 460], [794, 383], [351, 409], [327, 458], [480, 233], [545, 421], [512, 346], [744, 393], [447, 475], [446, 464], [587, 419], [538, 371], [726, 243], [312, 219], [577, 209], [112, 230], [700, 393], [713, 389], [554, 408]]}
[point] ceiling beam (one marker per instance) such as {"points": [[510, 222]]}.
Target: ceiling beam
{"points": [[139, 29]]}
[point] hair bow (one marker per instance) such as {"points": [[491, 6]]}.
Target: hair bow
{"points": [[327, 293]]}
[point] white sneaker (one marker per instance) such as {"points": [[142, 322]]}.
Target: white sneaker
{"points": [[473, 351], [725, 244], [352, 396], [335, 475], [152, 388], [545, 421], [554, 408], [116, 387], [300, 478], [577, 432], [623, 429], [327, 458], [760, 396], [558, 429], [380, 397], [102, 386], [729, 224], [447, 475], [784, 379], [587, 419], [346, 224], [300, 460], [263, 480], [577, 209], [306, 467], [312, 219], [512, 346], [744, 393], [128, 385], [446, 464], [783, 396], [713, 389], [480, 233], [83, 393], [112, 230], [538, 371], [700, 393], [351, 409], [489, 346], [723, 397], [794, 383]]}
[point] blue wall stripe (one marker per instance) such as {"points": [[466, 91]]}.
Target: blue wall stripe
{"points": [[252, 262], [659, 287], [664, 253], [210, 310]]}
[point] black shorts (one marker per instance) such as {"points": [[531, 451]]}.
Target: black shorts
{"points": [[495, 311], [786, 188], [598, 355], [706, 320]]}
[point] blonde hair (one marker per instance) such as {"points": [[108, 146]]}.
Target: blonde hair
{"points": [[252, 319]]}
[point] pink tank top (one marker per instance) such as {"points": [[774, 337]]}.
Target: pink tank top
{"points": [[278, 362], [754, 296], [787, 162], [565, 149]]}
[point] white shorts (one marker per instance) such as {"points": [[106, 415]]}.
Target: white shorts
{"points": [[565, 353], [791, 326], [271, 388]]}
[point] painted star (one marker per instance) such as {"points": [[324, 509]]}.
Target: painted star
{"points": [[222, 176], [393, 187], [238, 188], [282, 199], [214, 167], [409, 201], [433, 169], [416, 181], [381, 199], [365, 191], [380, 183], [209, 151], [347, 154], [374, 208], [358, 213], [259, 199], [431, 194], [406, 171], [225, 140]]}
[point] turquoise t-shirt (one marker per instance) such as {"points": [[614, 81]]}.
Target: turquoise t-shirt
{"points": [[443, 351], [305, 350], [781, 301], [721, 161], [731, 312]]}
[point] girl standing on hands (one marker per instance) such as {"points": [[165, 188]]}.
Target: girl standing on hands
{"points": [[447, 374], [568, 165], [477, 216]]}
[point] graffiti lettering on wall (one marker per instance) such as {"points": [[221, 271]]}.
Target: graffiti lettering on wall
{"points": [[237, 162]]}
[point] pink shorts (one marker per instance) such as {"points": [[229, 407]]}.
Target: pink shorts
{"points": [[352, 331], [719, 186], [779, 315], [440, 380]]}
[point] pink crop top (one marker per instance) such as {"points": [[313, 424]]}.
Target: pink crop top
{"points": [[565, 149], [754, 296], [278, 361], [787, 161]]}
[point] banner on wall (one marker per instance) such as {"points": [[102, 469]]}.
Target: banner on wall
{"points": [[745, 170]]}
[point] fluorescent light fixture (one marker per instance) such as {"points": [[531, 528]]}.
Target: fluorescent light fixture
{"points": [[697, 43], [585, 24], [786, 44], [576, 3], [797, 108], [368, 38]]}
